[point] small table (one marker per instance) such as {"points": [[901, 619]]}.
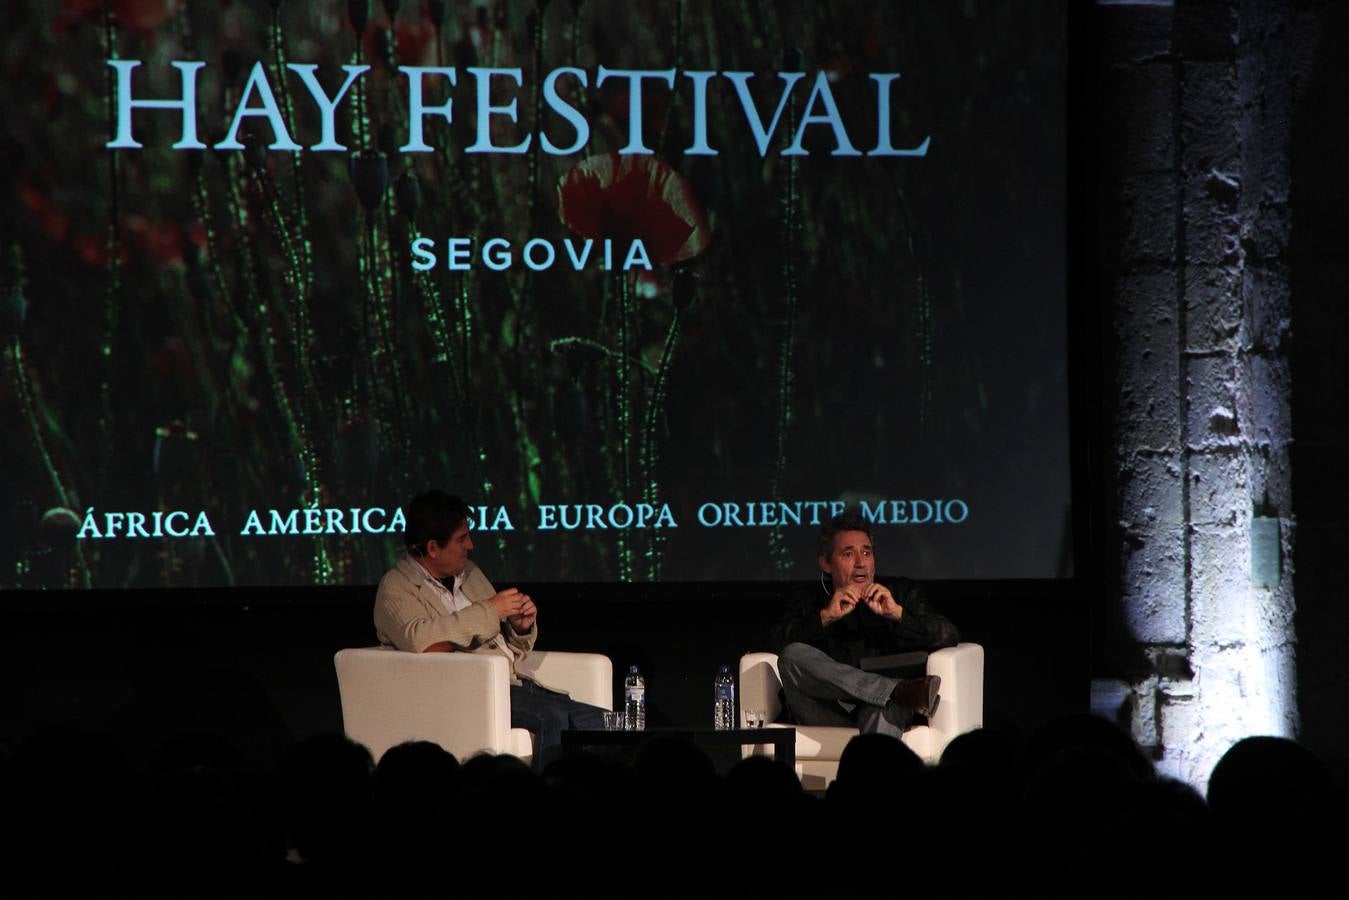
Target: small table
{"points": [[709, 739]]}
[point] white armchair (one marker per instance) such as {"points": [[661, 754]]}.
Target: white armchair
{"points": [[461, 701], [818, 747]]}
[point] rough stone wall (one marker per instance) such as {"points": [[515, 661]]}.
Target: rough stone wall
{"points": [[1196, 103]]}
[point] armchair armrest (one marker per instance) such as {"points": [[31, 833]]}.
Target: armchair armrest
{"points": [[587, 677], [760, 683], [961, 669], [461, 701]]}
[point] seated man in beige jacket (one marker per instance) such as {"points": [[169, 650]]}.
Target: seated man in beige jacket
{"points": [[436, 600]]}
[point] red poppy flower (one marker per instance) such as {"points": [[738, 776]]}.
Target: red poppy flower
{"points": [[161, 243], [415, 39], [634, 197]]}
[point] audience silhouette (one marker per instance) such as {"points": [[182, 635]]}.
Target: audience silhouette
{"points": [[1078, 799]]}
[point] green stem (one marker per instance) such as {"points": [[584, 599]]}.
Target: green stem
{"points": [[297, 320], [650, 449], [296, 157], [678, 67], [299, 441], [202, 207], [436, 322], [112, 296], [386, 275], [624, 419], [779, 553], [30, 415]]}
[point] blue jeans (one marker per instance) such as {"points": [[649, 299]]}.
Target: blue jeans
{"points": [[545, 714], [823, 691]]}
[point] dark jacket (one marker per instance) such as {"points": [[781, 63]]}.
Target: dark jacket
{"points": [[862, 633]]}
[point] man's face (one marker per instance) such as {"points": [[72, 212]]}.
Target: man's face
{"points": [[851, 561], [449, 559]]}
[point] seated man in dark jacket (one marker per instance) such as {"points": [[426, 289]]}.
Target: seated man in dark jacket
{"points": [[825, 634]]}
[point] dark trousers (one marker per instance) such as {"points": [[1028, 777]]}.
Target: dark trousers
{"points": [[545, 714], [823, 691]]}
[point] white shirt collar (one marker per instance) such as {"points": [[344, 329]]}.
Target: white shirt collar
{"points": [[457, 584]]}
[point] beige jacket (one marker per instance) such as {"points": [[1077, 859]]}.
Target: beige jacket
{"points": [[410, 616]]}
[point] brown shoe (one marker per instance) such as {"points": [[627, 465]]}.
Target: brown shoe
{"points": [[919, 694]]}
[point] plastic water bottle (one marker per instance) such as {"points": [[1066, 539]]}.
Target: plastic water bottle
{"points": [[634, 700], [723, 700]]}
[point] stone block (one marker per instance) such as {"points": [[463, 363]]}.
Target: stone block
{"points": [[1266, 307], [1209, 117], [1266, 229], [1153, 588], [1210, 392], [1266, 96], [1264, 399], [1271, 473], [1137, 127], [1229, 689], [1220, 491], [1205, 30], [1147, 362], [1212, 227], [1220, 588], [1281, 678], [1178, 723], [1275, 612], [1244, 689], [1143, 718], [1213, 308], [1288, 528], [1144, 303], [1150, 489], [1142, 216], [1131, 33], [1148, 413]]}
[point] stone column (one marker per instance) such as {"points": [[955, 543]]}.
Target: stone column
{"points": [[1194, 166]]}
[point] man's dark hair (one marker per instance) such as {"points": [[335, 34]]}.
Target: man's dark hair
{"points": [[848, 520], [433, 516]]}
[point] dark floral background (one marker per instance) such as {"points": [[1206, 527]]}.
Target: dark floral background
{"points": [[226, 331]]}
